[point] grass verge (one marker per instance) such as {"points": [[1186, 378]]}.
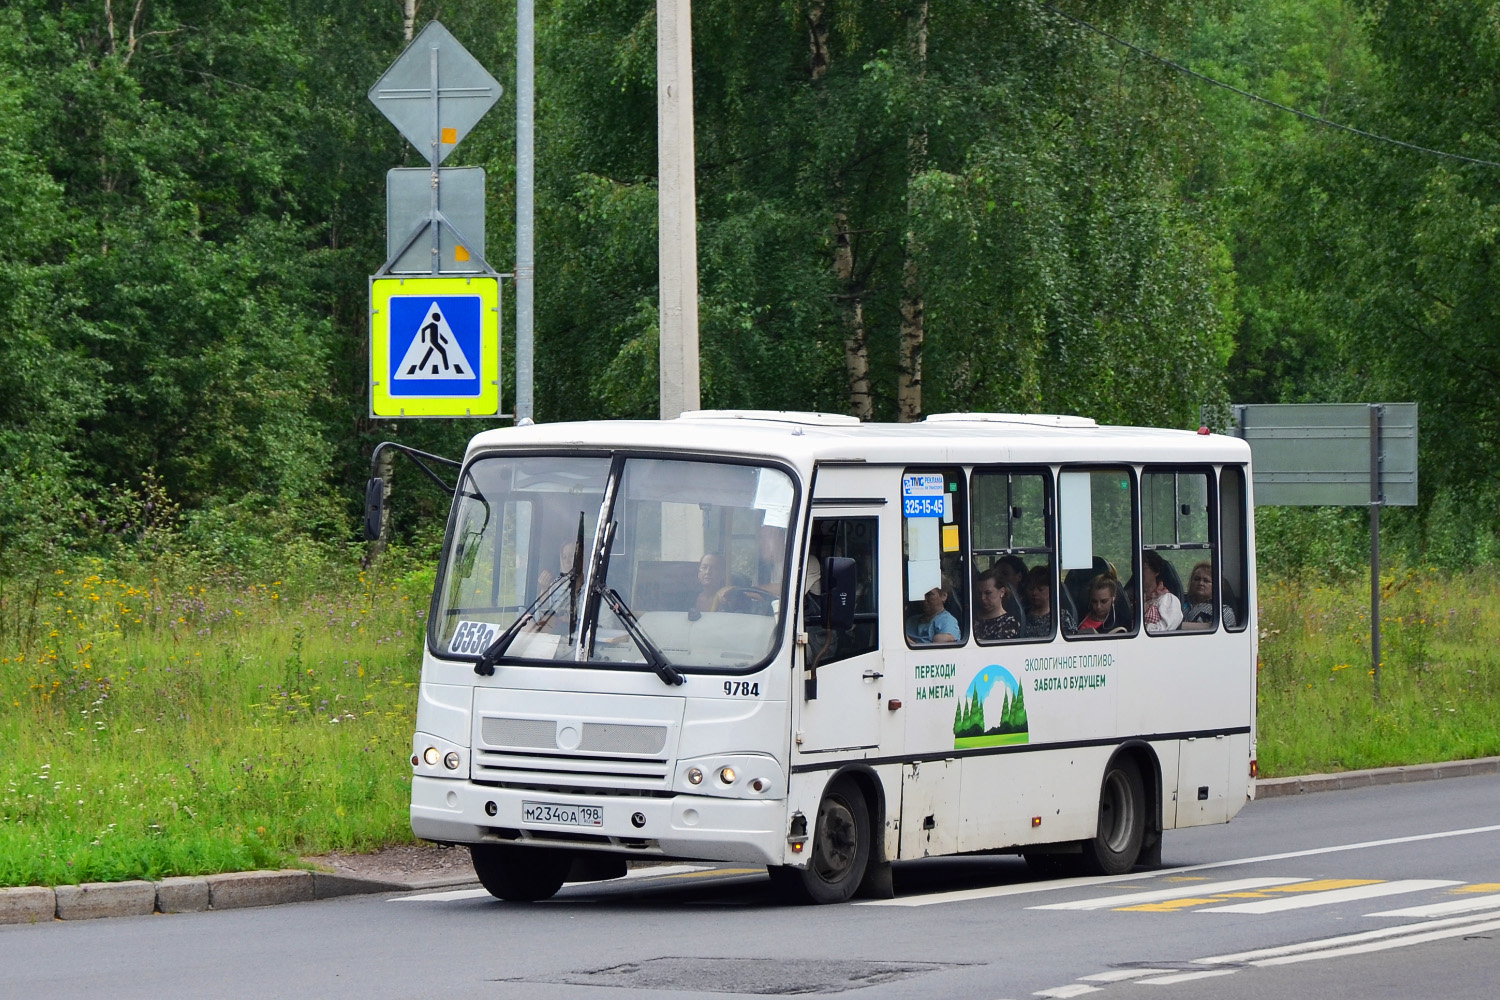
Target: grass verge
{"points": [[1440, 673], [153, 727]]}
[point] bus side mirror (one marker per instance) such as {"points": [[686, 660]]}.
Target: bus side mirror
{"points": [[838, 593], [374, 507]]}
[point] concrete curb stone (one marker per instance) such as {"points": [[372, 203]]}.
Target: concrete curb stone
{"points": [[92, 900], [1272, 788], [182, 894], [327, 885], [27, 904], [263, 888]]}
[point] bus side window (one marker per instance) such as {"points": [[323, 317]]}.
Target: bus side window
{"points": [[1176, 524], [1012, 533], [1098, 552], [1234, 568], [934, 525], [852, 538]]}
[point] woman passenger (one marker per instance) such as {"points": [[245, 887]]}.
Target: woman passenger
{"points": [[1200, 598], [993, 621], [1162, 610], [1103, 591], [933, 623], [1039, 605]]}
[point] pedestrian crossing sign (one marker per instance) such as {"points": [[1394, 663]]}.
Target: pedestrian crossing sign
{"points": [[435, 347]]}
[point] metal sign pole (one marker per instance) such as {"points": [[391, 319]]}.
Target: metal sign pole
{"points": [[1376, 497], [677, 249], [525, 169], [433, 156]]}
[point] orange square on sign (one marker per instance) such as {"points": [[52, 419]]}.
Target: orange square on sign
{"points": [[450, 136]]}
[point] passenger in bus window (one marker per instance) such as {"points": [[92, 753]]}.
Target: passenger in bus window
{"points": [[711, 579], [566, 556], [1039, 605], [1200, 599], [994, 621], [1010, 573], [1104, 591], [1162, 611], [933, 623]]}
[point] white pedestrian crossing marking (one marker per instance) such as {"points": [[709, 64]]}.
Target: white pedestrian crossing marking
{"points": [[1120, 975], [1347, 895], [1356, 944], [1183, 891], [1063, 992], [1187, 977], [1468, 905]]}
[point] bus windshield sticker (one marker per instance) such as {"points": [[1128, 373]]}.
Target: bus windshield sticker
{"points": [[472, 638], [922, 495], [773, 494]]}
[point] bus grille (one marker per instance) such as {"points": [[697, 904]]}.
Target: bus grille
{"points": [[556, 770], [597, 737]]}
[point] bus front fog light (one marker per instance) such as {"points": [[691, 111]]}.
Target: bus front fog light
{"points": [[726, 775], [430, 755], [695, 776], [451, 760]]}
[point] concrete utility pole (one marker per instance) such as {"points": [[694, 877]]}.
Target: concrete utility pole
{"points": [[677, 214], [525, 168]]}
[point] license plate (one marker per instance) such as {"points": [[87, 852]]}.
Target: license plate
{"points": [[560, 815]]}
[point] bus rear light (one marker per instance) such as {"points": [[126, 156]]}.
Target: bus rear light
{"points": [[1254, 768], [431, 755]]}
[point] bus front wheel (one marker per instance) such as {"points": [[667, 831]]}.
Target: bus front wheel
{"points": [[1122, 821], [520, 874], [840, 849]]}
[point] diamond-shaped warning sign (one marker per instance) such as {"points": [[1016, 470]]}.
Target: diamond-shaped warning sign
{"points": [[435, 63]]}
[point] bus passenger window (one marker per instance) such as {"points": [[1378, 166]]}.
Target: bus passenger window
{"points": [[1177, 543], [936, 582], [1012, 511], [852, 538], [1097, 552], [1234, 564]]}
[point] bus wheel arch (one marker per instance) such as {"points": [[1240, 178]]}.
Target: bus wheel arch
{"points": [[845, 852], [1129, 830]]}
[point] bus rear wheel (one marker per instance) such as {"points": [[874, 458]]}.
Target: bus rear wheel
{"points": [[1116, 847], [840, 850], [520, 874]]}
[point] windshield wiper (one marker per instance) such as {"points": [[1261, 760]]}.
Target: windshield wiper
{"points": [[654, 656], [491, 656]]}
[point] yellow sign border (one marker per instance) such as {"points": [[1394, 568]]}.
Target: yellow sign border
{"points": [[487, 403]]}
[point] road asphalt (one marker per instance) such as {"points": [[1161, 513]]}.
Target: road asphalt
{"points": [[1379, 891]]}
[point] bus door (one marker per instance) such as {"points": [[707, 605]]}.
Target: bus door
{"points": [[843, 682]]}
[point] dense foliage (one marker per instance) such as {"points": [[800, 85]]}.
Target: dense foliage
{"points": [[904, 207]]}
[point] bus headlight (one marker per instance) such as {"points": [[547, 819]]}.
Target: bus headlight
{"points": [[736, 776], [430, 755]]}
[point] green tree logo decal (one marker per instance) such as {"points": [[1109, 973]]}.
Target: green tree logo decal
{"points": [[992, 712]]}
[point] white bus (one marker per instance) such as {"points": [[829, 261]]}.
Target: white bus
{"points": [[799, 641]]}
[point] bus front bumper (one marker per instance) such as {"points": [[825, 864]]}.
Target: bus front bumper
{"points": [[682, 826]]}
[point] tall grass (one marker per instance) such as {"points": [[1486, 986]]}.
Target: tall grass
{"points": [[1439, 675], [164, 721], [155, 724]]}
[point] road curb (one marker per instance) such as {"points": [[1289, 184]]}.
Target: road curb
{"points": [[1272, 788], [182, 894]]}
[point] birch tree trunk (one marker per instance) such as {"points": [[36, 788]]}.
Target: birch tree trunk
{"points": [[850, 294], [408, 18], [913, 330]]}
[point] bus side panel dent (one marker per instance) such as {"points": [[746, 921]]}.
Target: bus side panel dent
{"points": [[882, 789], [443, 710]]}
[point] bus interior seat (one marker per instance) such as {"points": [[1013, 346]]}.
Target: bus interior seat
{"points": [[1172, 579], [664, 586], [1065, 602]]}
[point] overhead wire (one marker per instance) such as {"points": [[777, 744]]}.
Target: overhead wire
{"points": [[1139, 50]]}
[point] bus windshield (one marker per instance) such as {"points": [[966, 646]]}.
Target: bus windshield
{"points": [[571, 555]]}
